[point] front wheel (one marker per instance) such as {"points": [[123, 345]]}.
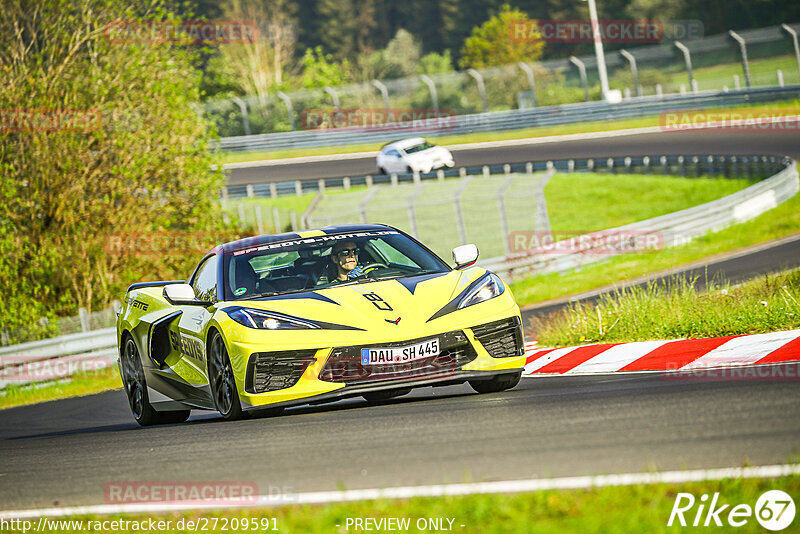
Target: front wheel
{"points": [[223, 383], [496, 384], [136, 390]]}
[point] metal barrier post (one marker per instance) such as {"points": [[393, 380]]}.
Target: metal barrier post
{"points": [[276, 219], [481, 87], [432, 88], [582, 69], [243, 108], [501, 209], [687, 57], [289, 108], [743, 49], [334, 96], [634, 70], [462, 231], [793, 34], [531, 80], [380, 86]]}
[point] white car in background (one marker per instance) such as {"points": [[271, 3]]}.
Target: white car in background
{"points": [[413, 155]]}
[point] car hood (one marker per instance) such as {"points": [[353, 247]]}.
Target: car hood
{"points": [[408, 303]]}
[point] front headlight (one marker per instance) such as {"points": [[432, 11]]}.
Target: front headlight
{"points": [[489, 288], [266, 320]]}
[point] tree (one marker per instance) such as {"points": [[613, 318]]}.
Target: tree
{"points": [[102, 142], [493, 43], [320, 69]]}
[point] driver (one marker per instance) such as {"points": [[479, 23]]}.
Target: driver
{"points": [[344, 258]]}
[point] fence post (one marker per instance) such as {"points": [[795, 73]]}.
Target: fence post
{"points": [[634, 70], [793, 34], [462, 172], [384, 93], [334, 96], [542, 218], [412, 216], [250, 191], [432, 88], [501, 209], [659, 91], [321, 185], [259, 220], [462, 231], [687, 58], [743, 49], [298, 188], [440, 175], [243, 108], [529, 167], [394, 179], [346, 183], [531, 80], [273, 190], [289, 108], [293, 215], [646, 162], [481, 87], [736, 83], [582, 69], [780, 78], [486, 171], [506, 168], [240, 208], [369, 180], [276, 219], [84, 318]]}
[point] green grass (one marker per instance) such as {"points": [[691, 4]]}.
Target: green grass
{"points": [[623, 509], [85, 383], [779, 108], [580, 203], [678, 310], [781, 221]]}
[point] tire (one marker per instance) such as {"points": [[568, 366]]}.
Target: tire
{"points": [[381, 170], [386, 394], [222, 381], [136, 389], [496, 384], [409, 170]]}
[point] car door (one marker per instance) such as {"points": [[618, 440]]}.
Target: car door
{"points": [[187, 333], [394, 162]]}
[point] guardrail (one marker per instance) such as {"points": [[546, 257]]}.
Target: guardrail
{"points": [[672, 229], [512, 120], [58, 357]]}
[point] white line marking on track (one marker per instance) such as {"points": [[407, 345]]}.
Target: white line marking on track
{"points": [[407, 492]]}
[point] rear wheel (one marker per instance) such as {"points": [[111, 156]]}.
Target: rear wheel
{"points": [[223, 383], [498, 383], [136, 390], [381, 170], [386, 394]]}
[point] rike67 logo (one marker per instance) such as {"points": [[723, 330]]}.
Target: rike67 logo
{"points": [[774, 510]]}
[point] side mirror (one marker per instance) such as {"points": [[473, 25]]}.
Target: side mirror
{"points": [[465, 255], [182, 295]]}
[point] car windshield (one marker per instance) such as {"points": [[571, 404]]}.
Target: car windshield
{"points": [[419, 148], [324, 261]]}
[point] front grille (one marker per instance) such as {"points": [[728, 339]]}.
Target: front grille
{"points": [[501, 339], [344, 364], [270, 371]]}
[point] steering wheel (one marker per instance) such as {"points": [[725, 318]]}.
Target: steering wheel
{"points": [[372, 266]]}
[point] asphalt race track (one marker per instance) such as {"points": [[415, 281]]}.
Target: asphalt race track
{"points": [[702, 142], [65, 452]]}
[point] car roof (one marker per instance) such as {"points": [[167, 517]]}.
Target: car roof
{"points": [[257, 241], [404, 143]]}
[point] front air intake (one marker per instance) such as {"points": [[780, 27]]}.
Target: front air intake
{"points": [[501, 339], [271, 371]]}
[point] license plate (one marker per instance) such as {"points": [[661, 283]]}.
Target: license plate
{"points": [[384, 355]]}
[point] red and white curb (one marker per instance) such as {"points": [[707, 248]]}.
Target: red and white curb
{"points": [[675, 355]]}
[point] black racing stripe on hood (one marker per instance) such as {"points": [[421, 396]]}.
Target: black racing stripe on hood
{"points": [[411, 282]]}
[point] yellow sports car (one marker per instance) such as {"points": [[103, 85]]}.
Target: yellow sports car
{"points": [[315, 316]]}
